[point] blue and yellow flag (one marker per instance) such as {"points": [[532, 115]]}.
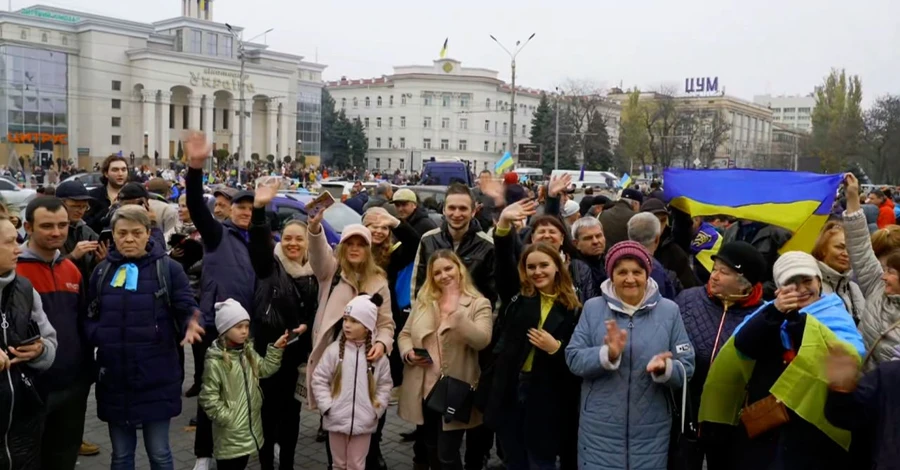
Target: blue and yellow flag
{"points": [[503, 163], [444, 49], [799, 202], [625, 181]]}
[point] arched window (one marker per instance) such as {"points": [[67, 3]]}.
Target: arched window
{"points": [[355, 102], [368, 102], [378, 102]]}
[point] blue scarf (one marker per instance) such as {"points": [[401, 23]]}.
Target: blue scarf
{"points": [[127, 276]]}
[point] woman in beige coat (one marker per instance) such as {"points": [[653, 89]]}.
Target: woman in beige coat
{"points": [[352, 260], [451, 321]]}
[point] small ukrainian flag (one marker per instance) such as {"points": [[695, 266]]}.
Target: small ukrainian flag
{"points": [[444, 49], [625, 181], [503, 163]]}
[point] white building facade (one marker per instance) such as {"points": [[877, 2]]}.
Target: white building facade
{"points": [[443, 110], [82, 86], [790, 111]]}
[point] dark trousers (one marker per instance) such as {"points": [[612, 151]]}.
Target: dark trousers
{"points": [[239, 463], [280, 418], [512, 433], [375, 445], [443, 446], [479, 441], [203, 438], [64, 425]]}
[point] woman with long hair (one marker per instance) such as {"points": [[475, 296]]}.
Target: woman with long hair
{"points": [[285, 299], [530, 390], [394, 247], [831, 253], [351, 270], [450, 323]]}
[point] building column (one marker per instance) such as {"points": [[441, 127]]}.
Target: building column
{"points": [[149, 122], [209, 111], [194, 101], [248, 129], [234, 126], [288, 130], [165, 99], [284, 136], [272, 128]]}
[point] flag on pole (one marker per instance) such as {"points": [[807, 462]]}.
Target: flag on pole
{"points": [[202, 5], [769, 197], [503, 163], [444, 49], [581, 176], [625, 181]]}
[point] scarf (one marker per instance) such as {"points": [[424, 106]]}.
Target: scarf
{"points": [[748, 300], [802, 386], [293, 268], [126, 276]]}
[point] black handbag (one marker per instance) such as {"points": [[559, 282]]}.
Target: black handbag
{"points": [[684, 443], [451, 397]]}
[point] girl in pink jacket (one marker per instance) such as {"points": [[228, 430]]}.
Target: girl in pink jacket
{"points": [[352, 393]]}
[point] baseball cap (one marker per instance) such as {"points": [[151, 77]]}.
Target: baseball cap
{"points": [[158, 186], [132, 191], [654, 206], [404, 195], [633, 194], [227, 192], [241, 196], [74, 190]]}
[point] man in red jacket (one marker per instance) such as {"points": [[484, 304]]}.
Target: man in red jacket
{"points": [[885, 208]]}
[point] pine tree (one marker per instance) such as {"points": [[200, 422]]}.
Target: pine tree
{"points": [[338, 141], [359, 145], [597, 154], [329, 121], [543, 133]]}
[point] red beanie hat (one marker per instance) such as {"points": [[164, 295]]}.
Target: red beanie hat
{"points": [[511, 178]]}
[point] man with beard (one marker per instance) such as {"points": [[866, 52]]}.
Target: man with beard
{"points": [[115, 175]]}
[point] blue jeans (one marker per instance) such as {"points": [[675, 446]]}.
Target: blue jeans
{"points": [[156, 442]]}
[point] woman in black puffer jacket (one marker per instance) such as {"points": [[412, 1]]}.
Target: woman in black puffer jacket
{"points": [[711, 313], [285, 298]]}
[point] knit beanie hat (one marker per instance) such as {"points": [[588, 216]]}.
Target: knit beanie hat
{"points": [[631, 250], [228, 314], [794, 263], [364, 309]]}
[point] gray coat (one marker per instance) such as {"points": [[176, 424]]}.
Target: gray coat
{"points": [[881, 316], [634, 436], [845, 287]]}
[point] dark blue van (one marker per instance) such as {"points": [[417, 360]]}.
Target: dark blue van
{"points": [[445, 173]]}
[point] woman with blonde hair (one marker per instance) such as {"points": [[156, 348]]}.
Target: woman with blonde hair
{"points": [[343, 275], [531, 393], [831, 254], [450, 323]]}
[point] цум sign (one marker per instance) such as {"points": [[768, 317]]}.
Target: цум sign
{"points": [[50, 15], [701, 85]]}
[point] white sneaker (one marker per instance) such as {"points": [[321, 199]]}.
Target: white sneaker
{"points": [[202, 463], [277, 452], [395, 396]]}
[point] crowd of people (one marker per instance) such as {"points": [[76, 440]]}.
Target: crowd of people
{"points": [[608, 333]]}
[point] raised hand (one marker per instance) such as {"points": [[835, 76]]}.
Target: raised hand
{"points": [[265, 192], [196, 149], [517, 212], [657, 365], [842, 369], [615, 340], [558, 184], [314, 221], [852, 192], [380, 216]]}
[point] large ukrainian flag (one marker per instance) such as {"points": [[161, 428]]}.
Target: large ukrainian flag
{"points": [[799, 202]]}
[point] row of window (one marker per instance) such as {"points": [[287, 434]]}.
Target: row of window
{"points": [[791, 110], [45, 36], [428, 100], [445, 124], [426, 144], [215, 46]]}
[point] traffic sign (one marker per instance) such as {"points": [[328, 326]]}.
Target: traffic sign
{"points": [[529, 155]]}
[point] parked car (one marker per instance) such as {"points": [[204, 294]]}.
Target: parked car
{"points": [[14, 195], [340, 189], [89, 180]]}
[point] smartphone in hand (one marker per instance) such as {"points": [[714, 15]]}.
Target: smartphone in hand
{"points": [[320, 203]]}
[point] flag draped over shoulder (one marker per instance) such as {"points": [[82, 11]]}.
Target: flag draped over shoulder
{"points": [[799, 202]]}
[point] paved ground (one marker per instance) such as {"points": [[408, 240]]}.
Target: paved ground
{"points": [[310, 454]]}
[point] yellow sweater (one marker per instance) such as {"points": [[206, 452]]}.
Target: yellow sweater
{"points": [[546, 304]]}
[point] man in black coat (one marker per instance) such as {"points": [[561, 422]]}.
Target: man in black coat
{"points": [[115, 175], [669, 254], [407, 206]]}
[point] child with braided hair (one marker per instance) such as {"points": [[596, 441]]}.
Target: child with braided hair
{"points": [[353, 398]]}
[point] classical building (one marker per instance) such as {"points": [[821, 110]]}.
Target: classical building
{"points": [[443, 110], [792, 111], [84, 86]]}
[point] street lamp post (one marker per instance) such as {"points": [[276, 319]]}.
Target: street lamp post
{"points": [[242, 120], [512, 101], [556, 136]]}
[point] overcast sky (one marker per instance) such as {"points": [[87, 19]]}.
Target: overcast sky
{"points": [[753, 46]]}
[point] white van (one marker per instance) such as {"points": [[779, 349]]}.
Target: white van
{"points": [[594, 179]]}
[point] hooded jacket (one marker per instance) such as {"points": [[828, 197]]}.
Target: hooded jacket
{"points": [[625, 418], [137, 338], [60, 286], [845, 287], [352, 412], [886, 214], [232, 398], [420, 221], [880, 319]]}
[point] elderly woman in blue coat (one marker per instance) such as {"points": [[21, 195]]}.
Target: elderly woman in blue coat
{"points": [[142, 308], [630, 347]]}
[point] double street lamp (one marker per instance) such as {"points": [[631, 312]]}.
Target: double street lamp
{"points": [[512, 101]]}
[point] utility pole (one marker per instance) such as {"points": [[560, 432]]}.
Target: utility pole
{"points": [[512, 101], [242, 107], [556, 135]]}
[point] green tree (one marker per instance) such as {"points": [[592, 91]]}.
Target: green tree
{"points": [[882, 139], [339, 143], [359, 144], [270, 158], [179, 153], [837, 121], [329, 124], [543, 133], [634, 141], [597, 153]]}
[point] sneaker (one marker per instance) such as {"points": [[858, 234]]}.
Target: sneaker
{"points": [[276, 453], [395, 396], [88, 449], [202, 463]]}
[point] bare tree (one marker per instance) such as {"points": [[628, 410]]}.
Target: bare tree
{"points": [[701, 133], [585, 100], [662, 117]]}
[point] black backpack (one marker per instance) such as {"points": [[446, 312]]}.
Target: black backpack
{"points": [[163, 277]]}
